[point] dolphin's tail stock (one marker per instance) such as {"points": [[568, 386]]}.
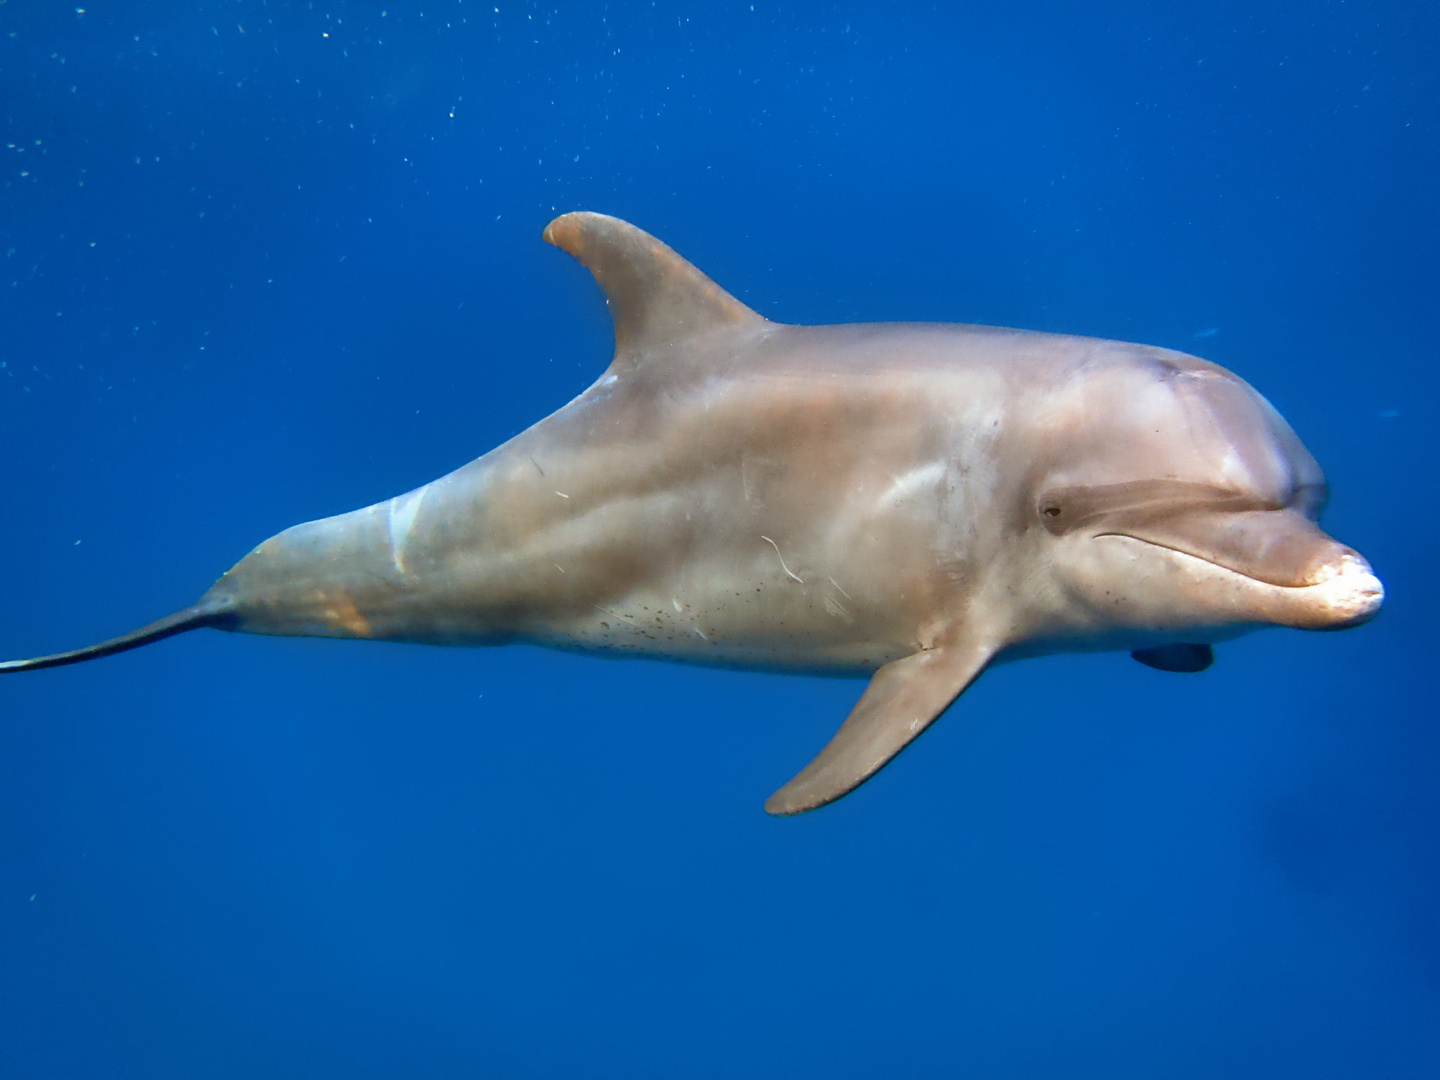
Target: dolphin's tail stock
{"points": [[210, 611]]}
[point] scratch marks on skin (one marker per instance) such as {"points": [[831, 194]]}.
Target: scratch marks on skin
{"points": [[680, 610], [562, 494], [787, 569], [836, 608], [401, 520]]}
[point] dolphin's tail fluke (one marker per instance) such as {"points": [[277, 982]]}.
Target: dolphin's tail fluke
{"points": [[208, 612]]}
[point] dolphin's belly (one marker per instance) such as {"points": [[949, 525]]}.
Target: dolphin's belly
{"points": [[705, 575], [757, 622]]}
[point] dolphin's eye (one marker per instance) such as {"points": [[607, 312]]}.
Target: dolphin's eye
{"points": [[1060, 509], [1052, 516]]}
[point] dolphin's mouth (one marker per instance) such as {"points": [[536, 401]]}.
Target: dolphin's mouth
{"points": [[1274, 542], [1180, 551], [1298, 575], [1276, 547], [1340, 593]]}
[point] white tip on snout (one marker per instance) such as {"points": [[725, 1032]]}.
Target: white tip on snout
{"points": [[1350, 594]]}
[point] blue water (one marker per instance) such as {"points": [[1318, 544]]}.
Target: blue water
{"points": [[264, 262]]}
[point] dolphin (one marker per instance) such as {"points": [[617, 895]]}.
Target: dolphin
{"points": [[907, 501]]}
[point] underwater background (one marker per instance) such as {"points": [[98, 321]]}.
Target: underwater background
{"points": [[262, 262]]}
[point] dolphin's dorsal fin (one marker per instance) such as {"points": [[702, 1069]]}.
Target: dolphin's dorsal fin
{"points": [[656, 298]]}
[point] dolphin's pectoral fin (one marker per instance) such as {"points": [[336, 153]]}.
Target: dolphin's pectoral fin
{"points": [[904, 698], [1183, 658]]}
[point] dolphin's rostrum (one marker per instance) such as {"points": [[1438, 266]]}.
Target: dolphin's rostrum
{"points": [[916, 501]]}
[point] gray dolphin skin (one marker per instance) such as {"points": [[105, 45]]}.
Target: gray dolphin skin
{"points": [[909, 501]]}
